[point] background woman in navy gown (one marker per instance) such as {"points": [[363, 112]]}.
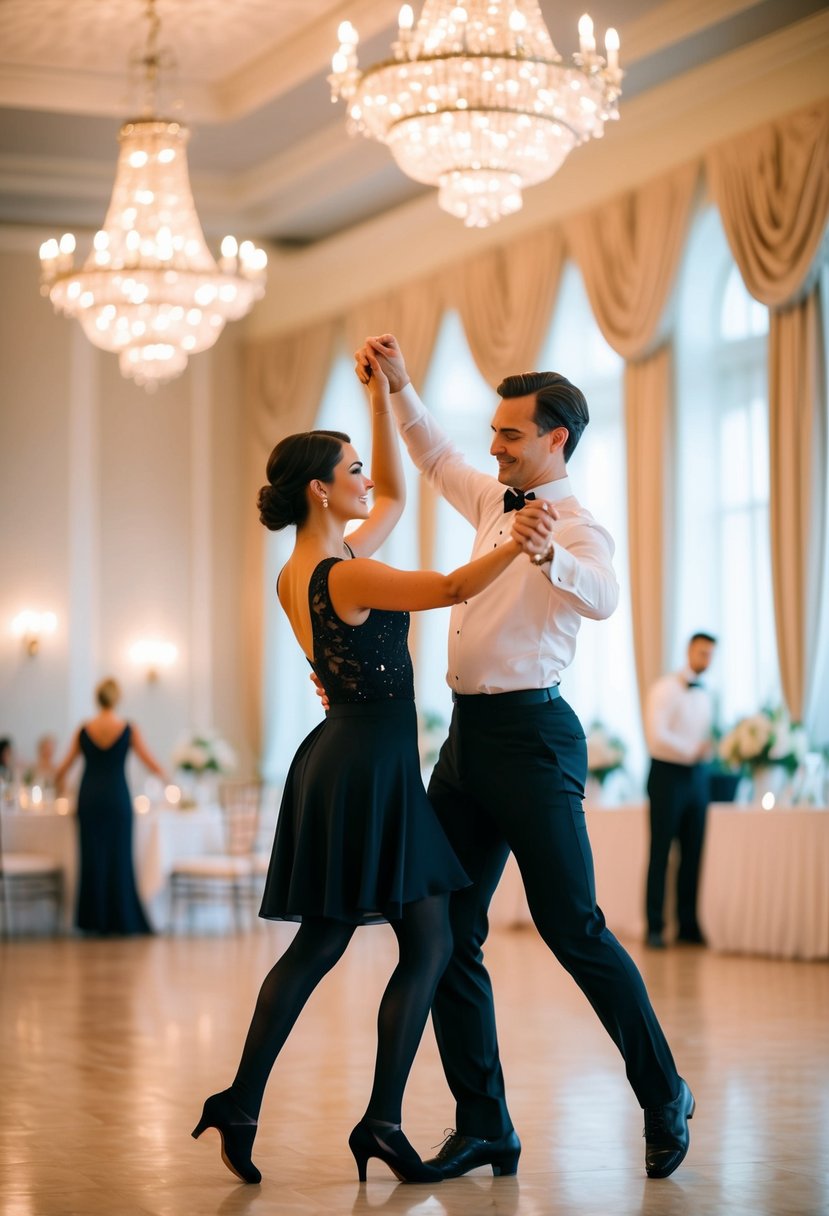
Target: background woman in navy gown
{"points": [[108, 901], [357, 840]]}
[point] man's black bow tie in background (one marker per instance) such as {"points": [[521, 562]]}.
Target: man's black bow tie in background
{"points": [[515, 499], [693, 684]]}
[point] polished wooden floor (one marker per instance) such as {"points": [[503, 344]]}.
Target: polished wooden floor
{"points": [[108, 1048]]}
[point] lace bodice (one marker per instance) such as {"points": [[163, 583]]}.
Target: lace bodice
{"points": [[368, 662]]}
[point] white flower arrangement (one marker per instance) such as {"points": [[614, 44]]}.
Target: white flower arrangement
{"points": [[205, 752], [605, 753], [764, 738]]}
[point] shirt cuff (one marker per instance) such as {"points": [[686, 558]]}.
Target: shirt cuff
{"points": [[407, 406], [563, 569]]}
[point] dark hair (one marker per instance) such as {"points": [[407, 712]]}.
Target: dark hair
{"points": [[702, 637], [557, 403], [296, 460]]}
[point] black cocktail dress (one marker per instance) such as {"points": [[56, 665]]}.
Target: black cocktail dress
{"points": [[356, 837], [108, 901]]}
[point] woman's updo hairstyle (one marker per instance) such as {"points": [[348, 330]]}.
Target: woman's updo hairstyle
{"points": [[295, 461], [108, 693]]}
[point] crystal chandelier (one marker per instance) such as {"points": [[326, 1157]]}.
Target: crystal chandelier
{"points": [[477, 101], [150, 289]]}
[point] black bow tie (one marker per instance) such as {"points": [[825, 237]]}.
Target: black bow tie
{"points": [[515, 499], [693, 684]]}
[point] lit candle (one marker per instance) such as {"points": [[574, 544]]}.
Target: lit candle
{"points": [[405, 21], [611, 42], [347, 35], [230, 249], [587, 43], [518, 23]]}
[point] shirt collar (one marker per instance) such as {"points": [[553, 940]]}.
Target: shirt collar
{"points": [[554, 491]]}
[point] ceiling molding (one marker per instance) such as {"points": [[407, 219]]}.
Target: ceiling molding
{"points": [[64, 91], [674, 21], [669, 125], [300, 57]]}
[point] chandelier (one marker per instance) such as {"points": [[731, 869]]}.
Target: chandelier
{"points": [[150, 289], [477, 100]]}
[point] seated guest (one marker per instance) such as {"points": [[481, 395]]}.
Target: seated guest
{"points": [[42, 771]]}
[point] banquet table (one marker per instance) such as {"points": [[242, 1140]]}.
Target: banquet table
{"points": [[764, 883], [161, 837]]}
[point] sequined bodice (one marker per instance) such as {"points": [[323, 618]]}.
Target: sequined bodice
{"points": [[368, 662]]}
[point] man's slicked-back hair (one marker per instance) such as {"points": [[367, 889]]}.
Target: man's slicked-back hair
{"points": [[557, 403]]}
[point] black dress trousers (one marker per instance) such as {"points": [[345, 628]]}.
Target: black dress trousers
{"points": [[678, 796], [511, 777]]}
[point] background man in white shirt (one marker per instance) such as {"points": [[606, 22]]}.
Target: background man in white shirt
{"points": [[511, 773], [678, 721]]}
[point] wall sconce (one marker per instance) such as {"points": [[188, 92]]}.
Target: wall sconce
{"points": [[32, 626], [153, 655]]}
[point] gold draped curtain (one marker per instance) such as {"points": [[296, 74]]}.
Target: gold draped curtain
{"points": [[771, 188], [628, 252]]}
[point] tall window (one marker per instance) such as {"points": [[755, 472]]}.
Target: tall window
{"points": [[724, 575]]}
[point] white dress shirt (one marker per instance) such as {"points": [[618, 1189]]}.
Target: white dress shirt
{"points": [[678, 719], [521, 631]]}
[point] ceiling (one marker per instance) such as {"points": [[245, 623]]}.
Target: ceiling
{"points": [[269, 154]]}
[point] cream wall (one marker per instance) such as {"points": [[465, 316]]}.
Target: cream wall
{"points": [[121, 513]]}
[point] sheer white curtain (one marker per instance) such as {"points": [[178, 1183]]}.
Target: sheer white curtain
{"points": [[600, 683], [723, 563]]}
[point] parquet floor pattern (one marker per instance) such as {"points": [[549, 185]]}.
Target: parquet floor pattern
{"points": [[107, 1049]]}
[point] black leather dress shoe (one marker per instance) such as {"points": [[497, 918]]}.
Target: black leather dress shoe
{"points": [[460, 1154], [654, 941], [666, 1133]]}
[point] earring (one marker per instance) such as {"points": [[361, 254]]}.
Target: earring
{"points": [[325, 502]]}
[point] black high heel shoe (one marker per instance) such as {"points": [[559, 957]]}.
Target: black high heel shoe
{"points": [[237, 1132], [388, 1144]]}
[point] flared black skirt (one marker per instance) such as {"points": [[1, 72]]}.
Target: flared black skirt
{"points": [[356, 837]]}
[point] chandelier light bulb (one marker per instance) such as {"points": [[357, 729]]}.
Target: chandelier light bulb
{"points": [[347, 34], [587, 42], [477, 101], [612, 44], [138, 290]]}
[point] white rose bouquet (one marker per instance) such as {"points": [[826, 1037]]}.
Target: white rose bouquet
{"points": [[605, 753], [205, 752], [764, 738]]}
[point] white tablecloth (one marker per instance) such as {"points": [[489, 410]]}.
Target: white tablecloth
{"points": [[764, 884], [765, 881], [161, 837]]}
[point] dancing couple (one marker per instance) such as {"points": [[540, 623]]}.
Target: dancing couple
{"points": [[358, 841]]}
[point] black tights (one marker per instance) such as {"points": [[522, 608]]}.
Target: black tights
{"points": [[425, 944]]}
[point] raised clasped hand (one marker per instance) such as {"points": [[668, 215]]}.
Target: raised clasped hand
{"points": [[532, 528], [390, 358]]}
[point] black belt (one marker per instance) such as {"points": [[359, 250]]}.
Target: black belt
{"points": [[522, 696]]}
